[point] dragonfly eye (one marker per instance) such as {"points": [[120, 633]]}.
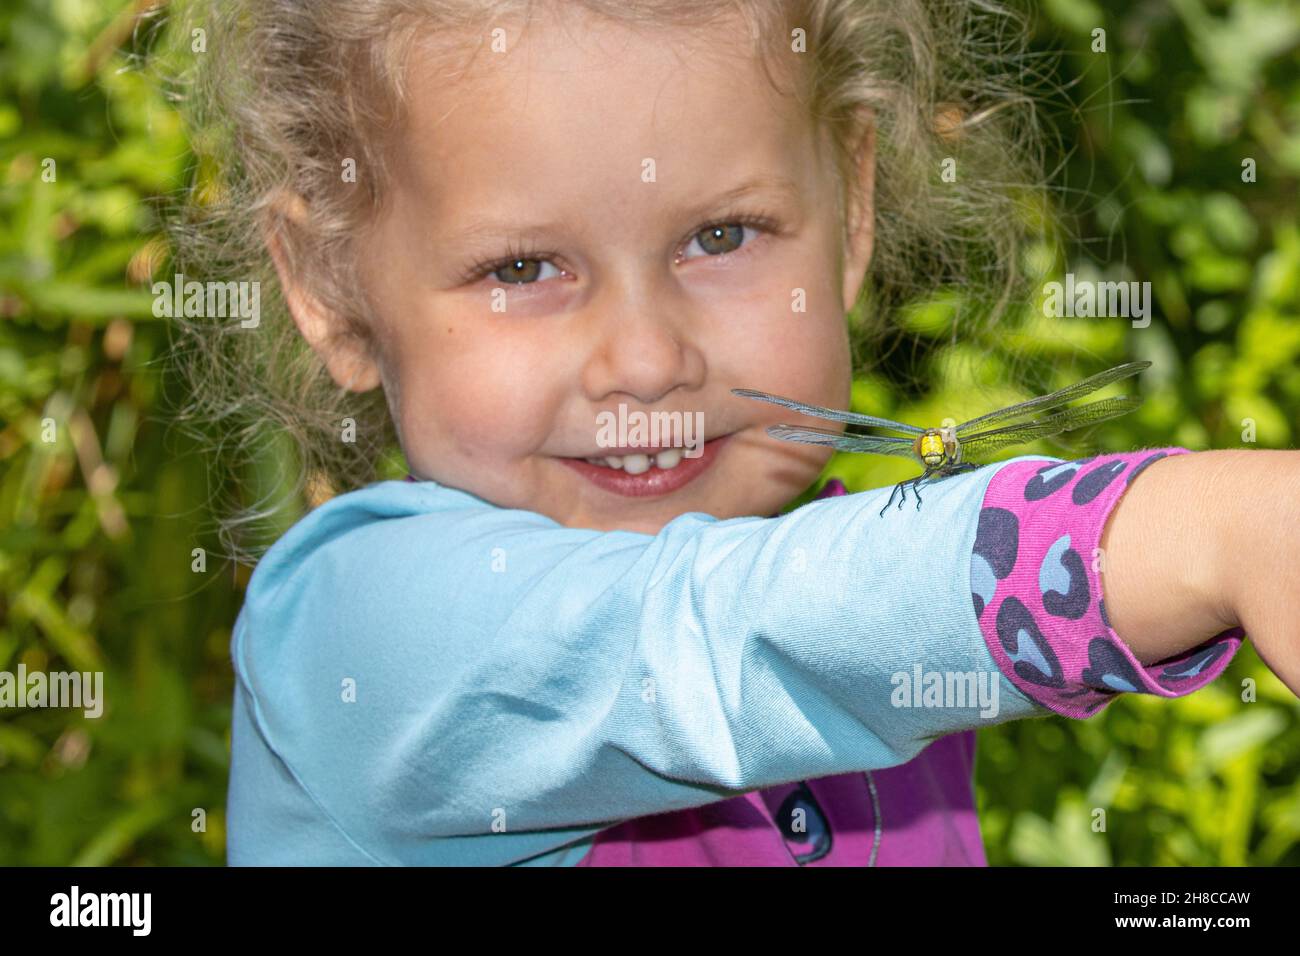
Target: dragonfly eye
{"points": [[932, 450]]}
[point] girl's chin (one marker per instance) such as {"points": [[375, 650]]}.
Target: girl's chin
{"points": [[636, 527], [642, 516]]}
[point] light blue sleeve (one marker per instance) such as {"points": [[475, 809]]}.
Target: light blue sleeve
{"points": [[451, 682]]}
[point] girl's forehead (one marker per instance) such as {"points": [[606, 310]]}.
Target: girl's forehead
{"points": [[599, 108], [580, 66], [573, 29]]}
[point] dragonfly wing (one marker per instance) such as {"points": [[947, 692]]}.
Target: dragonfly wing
{"points": [[816, 411], [984, 442], [1055, 399], [868, 444]]}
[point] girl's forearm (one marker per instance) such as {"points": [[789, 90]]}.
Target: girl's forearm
{"points": [[1204, 542]]}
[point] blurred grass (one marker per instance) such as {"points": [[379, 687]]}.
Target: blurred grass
{"points": [[97, 526]]}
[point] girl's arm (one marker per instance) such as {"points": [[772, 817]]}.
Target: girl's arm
{"points": [[446, 681], [1206, 542]]}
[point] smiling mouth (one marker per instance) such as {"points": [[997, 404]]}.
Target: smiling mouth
{"points": [[638, 474], [636, 462]]}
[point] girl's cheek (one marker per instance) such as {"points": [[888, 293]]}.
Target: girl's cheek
{"points": [[804, 329], [483, 415]]}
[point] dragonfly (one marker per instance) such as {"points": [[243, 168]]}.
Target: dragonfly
{"points": [[944, 451]]}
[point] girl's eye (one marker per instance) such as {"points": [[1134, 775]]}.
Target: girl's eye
{"points": [[720, 239], [527, 267], [521, 271]]}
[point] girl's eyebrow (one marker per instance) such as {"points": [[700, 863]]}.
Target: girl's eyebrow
{"points": [[487, 229], [771, 185], [491, 229]]}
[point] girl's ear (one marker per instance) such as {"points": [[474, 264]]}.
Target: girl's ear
{"points": [[347, 359], [859, 214]]}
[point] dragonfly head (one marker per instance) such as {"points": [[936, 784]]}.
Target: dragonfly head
{"points": [[930, 448]]}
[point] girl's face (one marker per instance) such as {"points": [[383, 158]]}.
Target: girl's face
{"points": [[599, 218]]}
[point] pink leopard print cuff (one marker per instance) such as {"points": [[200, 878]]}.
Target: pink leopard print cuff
{"points": [[1038, 596]]}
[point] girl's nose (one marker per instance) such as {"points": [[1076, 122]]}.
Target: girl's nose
{"points": [[641, 352]]}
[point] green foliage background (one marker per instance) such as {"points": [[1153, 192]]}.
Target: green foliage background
{"points": [[97, 527]]}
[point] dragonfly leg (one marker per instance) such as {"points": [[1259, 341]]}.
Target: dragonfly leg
{"points": [[897, 487], [916, 486], [900, 490]]}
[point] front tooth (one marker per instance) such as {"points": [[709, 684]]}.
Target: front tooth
{"points": [[668, 458], [613, 461], [636, 464]]}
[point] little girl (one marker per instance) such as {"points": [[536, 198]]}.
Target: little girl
{"points": [[494, 224]]}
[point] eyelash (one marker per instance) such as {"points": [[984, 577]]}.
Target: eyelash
{"points": [[485, 267]]}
